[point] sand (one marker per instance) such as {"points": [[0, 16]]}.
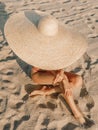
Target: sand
{"points": [[17, 110]]}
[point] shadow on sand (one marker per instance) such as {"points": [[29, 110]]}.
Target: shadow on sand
{"points": [[3, 17]]}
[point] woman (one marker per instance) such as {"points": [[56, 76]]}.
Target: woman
{"points": [[63, 82], [72, 80], [48, 45]]}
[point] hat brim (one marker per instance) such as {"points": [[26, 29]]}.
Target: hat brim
{"points": [[45, 52]]}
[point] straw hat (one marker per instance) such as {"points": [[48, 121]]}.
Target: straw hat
{"points": [[40, 40]]}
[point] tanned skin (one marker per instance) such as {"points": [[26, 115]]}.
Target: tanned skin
{"points": [[64, 83]]}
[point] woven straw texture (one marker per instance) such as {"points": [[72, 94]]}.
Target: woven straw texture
{"points": [[49, 52]]}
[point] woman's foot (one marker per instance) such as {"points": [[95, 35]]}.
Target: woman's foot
{"points": [[45, 90]]}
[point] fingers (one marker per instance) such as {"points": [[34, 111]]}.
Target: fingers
{"points": [[59, 77], [62, 72]]}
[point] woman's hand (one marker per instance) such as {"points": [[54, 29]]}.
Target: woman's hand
{"points": [[61, 77]]}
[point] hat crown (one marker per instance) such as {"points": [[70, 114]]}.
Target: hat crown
{"points": [[48, 26]]}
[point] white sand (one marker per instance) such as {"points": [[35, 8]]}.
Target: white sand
{"points": [[17, 111]]}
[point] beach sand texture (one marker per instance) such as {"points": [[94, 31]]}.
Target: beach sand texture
{"points": [[17, 110]]}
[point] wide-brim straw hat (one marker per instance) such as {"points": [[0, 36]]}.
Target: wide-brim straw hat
{"points": [[42, 41]]}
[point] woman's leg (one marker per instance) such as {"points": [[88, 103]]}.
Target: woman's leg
{"points": [[46, 90], [74, 79], [76, 83]]}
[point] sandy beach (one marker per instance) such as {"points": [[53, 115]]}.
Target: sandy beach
{"points": [[20, 112]]}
